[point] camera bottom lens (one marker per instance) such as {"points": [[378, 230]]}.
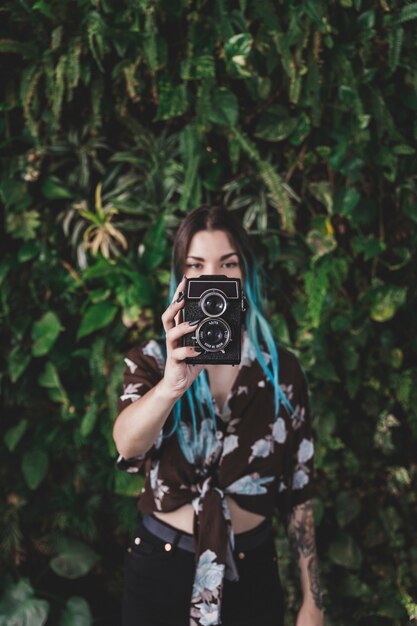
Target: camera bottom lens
{"points": [[213, 334]]}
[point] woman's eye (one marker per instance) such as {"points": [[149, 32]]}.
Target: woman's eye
{"points": [[231, 264], [193, 266]]}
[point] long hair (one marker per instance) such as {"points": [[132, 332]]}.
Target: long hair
{"points": [[259, 331]]}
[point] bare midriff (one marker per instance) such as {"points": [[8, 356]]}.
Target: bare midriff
{"points": [[183, 517]]}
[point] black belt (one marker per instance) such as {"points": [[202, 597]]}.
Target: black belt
{"points": [[247, 540]]}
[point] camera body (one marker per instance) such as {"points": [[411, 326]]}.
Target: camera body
{"points": [[218, 302]]}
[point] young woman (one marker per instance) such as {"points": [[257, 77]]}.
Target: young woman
{"points": [[221, 447]]}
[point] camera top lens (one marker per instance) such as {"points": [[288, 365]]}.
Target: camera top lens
{"points": [[213, 303]]}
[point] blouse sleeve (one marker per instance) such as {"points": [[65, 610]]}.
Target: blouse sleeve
{"points": [[144, 369], [297, 484]]}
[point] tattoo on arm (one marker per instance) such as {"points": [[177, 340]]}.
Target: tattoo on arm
{"points": [[302, 540]]}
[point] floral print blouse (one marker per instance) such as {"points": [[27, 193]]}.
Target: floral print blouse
{"points": [[259, 459]]}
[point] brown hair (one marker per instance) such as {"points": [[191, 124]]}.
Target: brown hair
{"points": [[208, 217]]}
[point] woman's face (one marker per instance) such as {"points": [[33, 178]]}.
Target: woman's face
{"points": [[211, 252]]}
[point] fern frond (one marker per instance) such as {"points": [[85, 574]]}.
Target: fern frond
{"points": [[28, 85], [96, 30], [149, 42], [272, 180], [97, 88], [222, 21], [113, 388], [11, 537], [395, 42], [191, 157], [132, 82], [316, 282], [73, 68], [203, 102], [12, 46], [56, 37], [58, 90], [267, 13], [98, 366], [408, 13]]}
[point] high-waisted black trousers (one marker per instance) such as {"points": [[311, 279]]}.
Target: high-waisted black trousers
{"points": [[158, 584]]}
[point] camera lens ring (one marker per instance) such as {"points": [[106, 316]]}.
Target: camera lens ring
{"points": [[218, 294], [218, 322]]}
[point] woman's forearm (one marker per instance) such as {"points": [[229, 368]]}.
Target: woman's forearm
{"points": [[302, 538], [137, 427]]}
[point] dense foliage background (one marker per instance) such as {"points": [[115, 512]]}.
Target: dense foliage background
{"points": [[118, 117]]}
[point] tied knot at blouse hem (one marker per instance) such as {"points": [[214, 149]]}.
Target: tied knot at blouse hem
{"points": [[260, 459]]}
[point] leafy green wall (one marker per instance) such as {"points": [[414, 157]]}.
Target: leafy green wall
{"points": [[118, 117]]}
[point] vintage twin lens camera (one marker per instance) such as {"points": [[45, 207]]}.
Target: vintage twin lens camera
{"points": [[218, 302]]}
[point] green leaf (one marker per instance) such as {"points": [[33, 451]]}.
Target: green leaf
{"points": [[89, 419], [76, 613], [347, 507], [319, 510], [370, 246], [28, 251], [408, 12], [12, 46], [275, 124], [155, 245], [346, 200], [237, 50], [44, 333], [322, 191], [14, 434], [19, 607], [23, 225], [280, 328], [44, 8], [366, 21], [100, 294], [17, 362], [173, 100], [325, 426], [34, 467], [97, 316], [385, 301], [128, 484], [5, 266], [345, 551], [14, 194], [49, 379], [301, 131], [224, 108], [347, 95], [74, 559], [350, 357], [54, 189], [403, 148], [321, 237], [352, 587]]}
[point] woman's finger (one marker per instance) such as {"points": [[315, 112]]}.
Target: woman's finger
{"points": [[168, 316], [179, 354], [180, 287], [175, 333]]}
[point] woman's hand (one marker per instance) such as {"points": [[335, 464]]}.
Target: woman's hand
{"points": [[178, 376], [309, 615]]}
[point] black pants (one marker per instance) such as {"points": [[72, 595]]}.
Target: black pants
{"points": [[158, 584]]}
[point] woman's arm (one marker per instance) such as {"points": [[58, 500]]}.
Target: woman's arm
{"points": [[137, 426], [302, 539]]}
